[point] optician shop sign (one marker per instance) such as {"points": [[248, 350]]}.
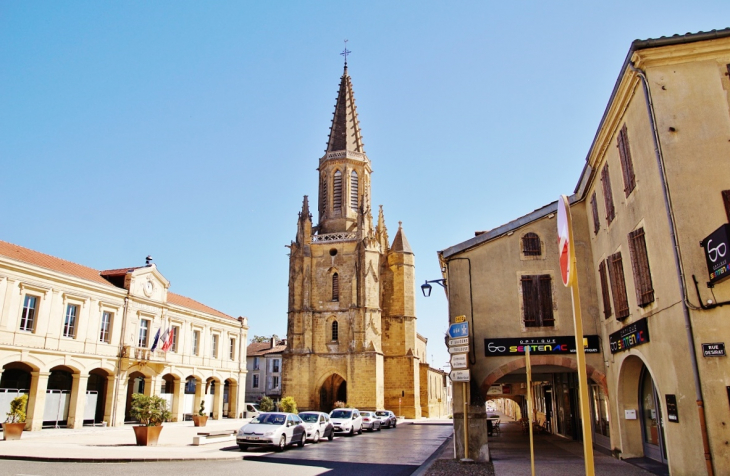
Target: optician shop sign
{"points": [[630, 336], [716, 253], [558, 345]]}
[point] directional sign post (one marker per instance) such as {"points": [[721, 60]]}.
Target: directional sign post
{"points": [[458, 361], [459, 341], [459, 375], [462, 349], [460, 329]]}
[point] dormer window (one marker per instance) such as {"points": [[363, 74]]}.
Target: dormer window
{"points": [[335, 287], [353, 190], [531, 245]]}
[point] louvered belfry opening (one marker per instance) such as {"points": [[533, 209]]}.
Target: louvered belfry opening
{"points": [[604, 290], [335, 331], [335, 287], [640, 265], [531, 245], [618, 285], [627, 165], [353, 190], [323, 195], [337, 193], [607, 194], [537, 301], [594, 209]]}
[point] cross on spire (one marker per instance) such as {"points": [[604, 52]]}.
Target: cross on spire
{"points": [[345, 52]]}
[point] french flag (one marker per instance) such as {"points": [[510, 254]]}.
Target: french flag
{"points": [[167, 339]]}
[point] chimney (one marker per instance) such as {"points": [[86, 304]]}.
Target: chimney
{"points": [[273, 343]]}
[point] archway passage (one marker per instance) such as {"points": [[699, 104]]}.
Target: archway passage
{"points": [[334, 389], [135, 384], [96, 395], [16, 375]]}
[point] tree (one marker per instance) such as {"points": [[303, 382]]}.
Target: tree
{"points": [[266, 404], [265, 338], [287, 404], [17, 409]]}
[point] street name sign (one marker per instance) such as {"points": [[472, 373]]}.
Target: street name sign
{"points": [[460, 329], [458, 361], [459, 341], [462, 349], [461, 318], [459, 376]]}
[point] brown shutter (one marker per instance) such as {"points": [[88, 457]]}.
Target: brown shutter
{"points": [[337, 192], [594, 208], [726, 201], [531, 245], [604, 289], [608, 195], [640, 265], [618, 286], [530, 303], [546, 300], [627, 165]]}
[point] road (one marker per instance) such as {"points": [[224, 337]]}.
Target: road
{"points": [[396, 452]]}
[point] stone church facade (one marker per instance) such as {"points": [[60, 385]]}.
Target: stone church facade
{"points": [[352, 316]]}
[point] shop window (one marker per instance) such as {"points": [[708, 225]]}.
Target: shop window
{"points": [[594, 209], [531, 245], [537, 301], [618, 285], [27, 318], [335, 331], [604, 290], [627, 165], [640, 265], [608, 195]]}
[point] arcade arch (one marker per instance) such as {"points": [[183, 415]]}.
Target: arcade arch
{"points": [[332, 389]]}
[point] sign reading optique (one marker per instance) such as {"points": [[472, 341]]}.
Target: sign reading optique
{"points": [[540, 346], [716, 253], [634, 334]]}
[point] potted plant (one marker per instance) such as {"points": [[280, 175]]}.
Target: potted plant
{"points": [[15, 423], [201, 418], [150, 412]]}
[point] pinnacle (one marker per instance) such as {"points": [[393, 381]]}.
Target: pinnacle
{"points": [[400, 242]]}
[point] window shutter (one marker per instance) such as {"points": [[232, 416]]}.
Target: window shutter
{"points": [[726, 201], [323, 195], [353, 190], [531, 245], [618, 286], [594, 208], [640, 265], [627, 165], [546, 300], [604, 290], [530, 302], [337, 192], [607, 194]]}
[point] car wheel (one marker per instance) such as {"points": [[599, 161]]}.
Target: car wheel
{"points": [[282, 443], [243, 447], [332, 435], [316, 437], [352, 431], [395, 423], [301, 442], [359, 432], [380, 427]]}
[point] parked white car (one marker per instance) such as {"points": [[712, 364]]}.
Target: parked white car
{"points": [[346, 420], [318, 425], [272, 429], [251, 410]]}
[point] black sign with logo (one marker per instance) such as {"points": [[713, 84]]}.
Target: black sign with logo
{"points": [[716, 253], [713, 350], [559, 345], [630, 336], [672, 411]]}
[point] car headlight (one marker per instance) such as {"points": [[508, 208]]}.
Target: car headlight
{"points": [[269, 433], [240, 432]]}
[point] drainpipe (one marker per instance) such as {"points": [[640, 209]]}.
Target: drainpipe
{"points": [[119, 360], [678, 264]]}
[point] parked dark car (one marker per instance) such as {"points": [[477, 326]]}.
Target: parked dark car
{"points": [[318, 425], [272, 429], [387, 418]]}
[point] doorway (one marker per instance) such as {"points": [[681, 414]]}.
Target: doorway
{"points": [[334, 389], [652, 428]]}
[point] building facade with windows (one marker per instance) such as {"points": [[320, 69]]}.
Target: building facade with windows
{"points": [[651, 212], [80, 342], [264, 364]]}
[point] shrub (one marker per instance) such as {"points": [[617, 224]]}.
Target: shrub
{"points": [[150, 411], [266, 404], [287, 404], [201, 412], [17, 409]]}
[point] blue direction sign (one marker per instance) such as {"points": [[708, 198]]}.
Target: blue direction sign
{"points": [[460, 329]]}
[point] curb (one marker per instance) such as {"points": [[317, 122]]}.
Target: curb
{"points": [[54, 459], [423, 469]]}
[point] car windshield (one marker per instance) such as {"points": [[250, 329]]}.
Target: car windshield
{"points": [[309, 417], [367, 414], [341, 414], [381, 413], [269, 419]]}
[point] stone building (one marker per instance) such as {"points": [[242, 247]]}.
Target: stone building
{"points": [[352, 311], [263, 363], [651, 212], [79, 342]]}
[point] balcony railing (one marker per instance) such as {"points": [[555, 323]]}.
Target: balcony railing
{"points": [[142, 353], [330, 237]]}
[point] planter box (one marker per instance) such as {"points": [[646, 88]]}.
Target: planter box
{"points": [[147, 435], [13, 431], [200, 420]]}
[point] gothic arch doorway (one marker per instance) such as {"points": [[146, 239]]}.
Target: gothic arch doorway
{"points": [[334, 389]]}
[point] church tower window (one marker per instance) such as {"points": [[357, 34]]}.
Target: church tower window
{"points": [[335, 287], [353, 190], [323, 195], [335, 331], [337, 192]]}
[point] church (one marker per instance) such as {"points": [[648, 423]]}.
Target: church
{"points": [[351, 333]]}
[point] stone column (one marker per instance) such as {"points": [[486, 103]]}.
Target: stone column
{"points": [[36, 400], [77, 401], [121, 400], [148, 386], [218, 401], [109, 400], [177, 400]]}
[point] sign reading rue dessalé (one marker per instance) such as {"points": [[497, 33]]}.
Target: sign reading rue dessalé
{"points": [[558, 345], [634, 334], [716, 247]]}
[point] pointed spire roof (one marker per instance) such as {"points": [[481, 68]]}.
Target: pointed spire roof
{"points": [[400, 242], [345, 131], [305, 208]]}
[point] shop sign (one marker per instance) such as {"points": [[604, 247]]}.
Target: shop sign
{"points": [[672, 411], [459, 375], [630, 336], [558, 345], [716, 253], [497, 390], [713, 350]]}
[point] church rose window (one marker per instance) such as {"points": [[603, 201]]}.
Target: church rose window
{"points": [[337, 191], [353, 190], [335, 330]]}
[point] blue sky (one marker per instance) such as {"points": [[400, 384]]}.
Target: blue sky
{"points": [[191, 130]]}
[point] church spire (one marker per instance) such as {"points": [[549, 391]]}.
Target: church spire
{"points": [[345, 131]]}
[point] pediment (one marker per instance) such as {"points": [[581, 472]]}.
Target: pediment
{"points": [[149, 283]]}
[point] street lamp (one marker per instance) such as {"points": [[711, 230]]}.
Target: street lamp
{"points": [[426, 288]]}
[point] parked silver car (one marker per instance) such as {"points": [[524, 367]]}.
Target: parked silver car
{"points": [[318, 425], [272, 429], [346, 420], [387, 418], [370, 421]]}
